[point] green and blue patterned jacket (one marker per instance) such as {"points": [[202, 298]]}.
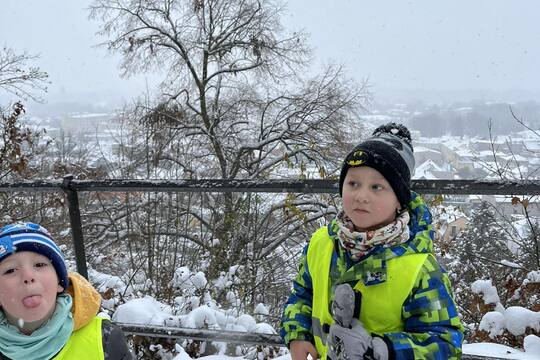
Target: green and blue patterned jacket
{"points": [[424, 335]]}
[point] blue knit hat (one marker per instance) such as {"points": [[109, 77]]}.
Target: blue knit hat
{"points": [[33, 237]]}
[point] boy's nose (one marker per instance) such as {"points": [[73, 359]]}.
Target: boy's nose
{"points": [[362, 197], [28, 276]]}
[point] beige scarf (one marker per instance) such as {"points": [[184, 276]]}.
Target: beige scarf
{"points": [[359, 243]]}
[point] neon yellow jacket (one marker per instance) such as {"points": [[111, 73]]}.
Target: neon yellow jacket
{"points": [[93, 338], [417, 320]]}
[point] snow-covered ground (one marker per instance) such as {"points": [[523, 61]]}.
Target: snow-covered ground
{"points": [[502, 351], [149, 311]]}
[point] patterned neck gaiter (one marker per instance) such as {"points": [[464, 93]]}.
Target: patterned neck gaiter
{"points": [[359, 243]]}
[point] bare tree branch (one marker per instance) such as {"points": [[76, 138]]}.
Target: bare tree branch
{"points": [[20, 78]]}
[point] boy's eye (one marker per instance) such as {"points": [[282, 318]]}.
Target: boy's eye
{"points": [[377, 187], [353, 183], [9, 271], [41, 264]]}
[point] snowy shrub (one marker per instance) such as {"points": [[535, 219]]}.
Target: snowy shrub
{"points": [[144, 311], [531, 344], [518, 319], [487, 290], [203, 317], [494, 323], [195, 307], [508, 325], [498, 299]]}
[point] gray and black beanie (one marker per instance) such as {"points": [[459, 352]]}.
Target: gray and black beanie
{"points": [[388, 151]]}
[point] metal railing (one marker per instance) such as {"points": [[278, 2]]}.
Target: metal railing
{"points": [[233, 337], [72, 187]]}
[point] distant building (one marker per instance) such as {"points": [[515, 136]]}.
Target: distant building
{"points": [[429, 169], [504, 206], [453, 229], [449, 222], [422, 154]]}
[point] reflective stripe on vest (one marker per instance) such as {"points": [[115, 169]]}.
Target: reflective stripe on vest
{"points": [[85, 343], [381, 307]]}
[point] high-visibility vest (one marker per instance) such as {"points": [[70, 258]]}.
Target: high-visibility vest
{"points": [[85, 343], [381, 304]]}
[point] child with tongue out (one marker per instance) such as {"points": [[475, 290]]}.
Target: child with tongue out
{"points": [[47, 313]]}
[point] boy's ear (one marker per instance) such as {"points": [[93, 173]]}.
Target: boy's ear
{"points": [[59, 289]]}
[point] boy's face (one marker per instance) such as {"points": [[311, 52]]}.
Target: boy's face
{"points": [[368, 199], [28, 287]]}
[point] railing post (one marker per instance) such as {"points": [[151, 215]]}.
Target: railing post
{"points": [[76, 225]]}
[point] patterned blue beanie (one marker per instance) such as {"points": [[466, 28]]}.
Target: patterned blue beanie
{"points": [[33, 237]]}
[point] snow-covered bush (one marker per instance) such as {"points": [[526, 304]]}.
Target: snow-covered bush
{"points": [[511, 325], [494, 291], [194, 307]]}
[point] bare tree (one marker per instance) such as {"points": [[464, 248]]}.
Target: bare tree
{"points": [[13, 153], [224, 60], [21, 148], [18, 77], [235, 103]]}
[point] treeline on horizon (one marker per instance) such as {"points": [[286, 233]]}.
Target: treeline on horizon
{"points": [[477, 119]]}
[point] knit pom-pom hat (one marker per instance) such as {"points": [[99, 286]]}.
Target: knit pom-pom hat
{"points": [[33, 237], [388, 151]]}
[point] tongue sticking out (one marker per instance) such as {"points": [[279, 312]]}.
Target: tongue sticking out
{"points": [[32, 301]]}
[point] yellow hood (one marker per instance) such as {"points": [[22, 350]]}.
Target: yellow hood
{"points": [[86, 300]]}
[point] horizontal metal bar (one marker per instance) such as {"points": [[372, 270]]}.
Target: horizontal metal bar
{"points": [[480, 357], [476, 187], [446, 187], [234, 337], [213, 185], [32, 186]]}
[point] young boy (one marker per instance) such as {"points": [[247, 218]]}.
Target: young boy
{"points": [[368, 285], [46, 313]]}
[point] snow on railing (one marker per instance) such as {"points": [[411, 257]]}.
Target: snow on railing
{"points": [[234, 337], [445, 187], [72, 187]]}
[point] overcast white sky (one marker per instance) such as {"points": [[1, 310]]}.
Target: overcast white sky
{"points": [[423, 45]]}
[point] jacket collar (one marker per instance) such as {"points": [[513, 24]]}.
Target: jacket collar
{"points": [[86, 300], [371, 269]]}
